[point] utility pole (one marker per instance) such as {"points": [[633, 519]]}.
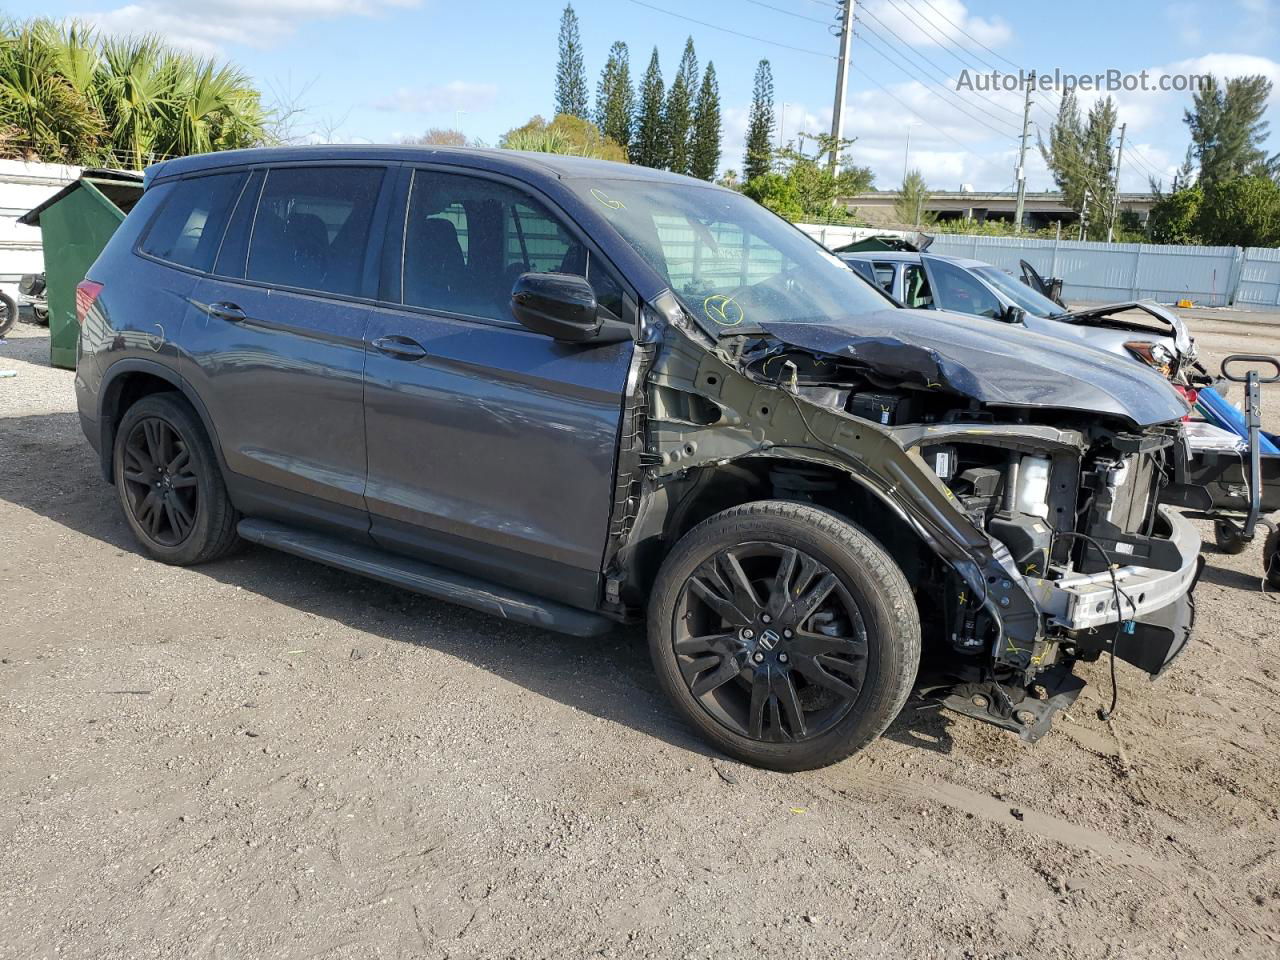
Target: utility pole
{"points": [[842, 73], [1115, 186], [1084, 213], [1021, 172]]}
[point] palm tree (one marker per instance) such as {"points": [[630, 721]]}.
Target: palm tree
{"points": [[133, 92], [42, 114], [70, 95]]}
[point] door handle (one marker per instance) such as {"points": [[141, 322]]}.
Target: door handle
{"points": [[227, 311], [402, 348]]}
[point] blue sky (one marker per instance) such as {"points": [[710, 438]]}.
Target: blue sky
{"points": [[377, 69]]}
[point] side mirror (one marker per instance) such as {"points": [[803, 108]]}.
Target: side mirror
{"points": [[1013, 314], [558, 305]]}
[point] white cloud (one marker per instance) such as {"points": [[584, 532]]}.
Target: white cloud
{"points": [[208, 27], [933, 23], [441, 97]]}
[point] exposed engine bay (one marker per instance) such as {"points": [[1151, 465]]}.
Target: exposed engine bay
{"points": [[1032, 532]]}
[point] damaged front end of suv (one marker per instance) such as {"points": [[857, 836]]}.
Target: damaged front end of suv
{"points": [[1017, 484]]}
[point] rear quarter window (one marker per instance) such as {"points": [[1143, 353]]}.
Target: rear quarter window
{"points": [[189, 225]]}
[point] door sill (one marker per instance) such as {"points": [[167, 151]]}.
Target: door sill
{"points": [[426, 578]]}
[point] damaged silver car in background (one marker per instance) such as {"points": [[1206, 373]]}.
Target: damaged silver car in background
{"points": [[1141, 330]]}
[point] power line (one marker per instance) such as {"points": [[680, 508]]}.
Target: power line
{"points": [[736, 33], [971, 37], [789, 13], [921, 57], [883, 89], [960, 101], [918, 22]]}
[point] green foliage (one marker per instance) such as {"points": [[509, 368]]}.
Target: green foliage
{"points": [[1227, 129], [759, 145], [565, 134], [1174, 217], [68, 95], [777, 192], [649, 145], [1242, 211], [677, 114], [705, 158], [803, 187], [571, 75], [615, 100], [909, 208]]}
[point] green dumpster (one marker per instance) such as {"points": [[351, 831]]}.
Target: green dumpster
{"points": [[75, 224]]}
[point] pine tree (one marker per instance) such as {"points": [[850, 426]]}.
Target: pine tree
{"points": [[912, 197], [757, 159], [705, 151], [1227, 129], [615, 100], [571, 75], [649, 145], [678, 113], [1080, 155]]}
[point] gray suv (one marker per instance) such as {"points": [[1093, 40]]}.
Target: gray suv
{"points": [[574, 393]]}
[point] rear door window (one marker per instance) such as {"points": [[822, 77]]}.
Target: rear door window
{"points": [[884, 276], [189, 226], [312, 228]]}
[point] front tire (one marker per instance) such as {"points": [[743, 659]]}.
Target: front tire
{"points": [[784, 634], [169, 484]]}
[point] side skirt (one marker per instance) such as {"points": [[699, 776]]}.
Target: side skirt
{"points": [[426, 578]]}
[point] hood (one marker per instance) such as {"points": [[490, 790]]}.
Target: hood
{"points": [[991, 362], [1165, 317]]}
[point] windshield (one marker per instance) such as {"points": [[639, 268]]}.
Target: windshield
{"points": [[1036, 304], [734, 265]]}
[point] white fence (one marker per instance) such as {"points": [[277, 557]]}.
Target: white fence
{"points": [[1259, 278], [1107, 272]]}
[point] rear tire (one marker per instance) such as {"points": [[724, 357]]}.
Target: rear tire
{"points": [[784, 634], [169, 484]]}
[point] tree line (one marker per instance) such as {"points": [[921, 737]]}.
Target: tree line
{"points": [[675, 128], [1227, 191], [71, 95], [678, 128]]}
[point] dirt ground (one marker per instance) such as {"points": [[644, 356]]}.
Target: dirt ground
{"points": [[265, 758]]}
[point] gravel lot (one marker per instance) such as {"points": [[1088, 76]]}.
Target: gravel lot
{"points": [[265, 758]]}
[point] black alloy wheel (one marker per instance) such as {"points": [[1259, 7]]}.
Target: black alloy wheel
{"points": [[784, 634], [770, 643], [170, 484], [161, 486]]}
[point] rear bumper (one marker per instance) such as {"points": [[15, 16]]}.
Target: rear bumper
{"points": [[1088, 601]]}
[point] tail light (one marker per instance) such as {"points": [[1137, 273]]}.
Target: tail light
{"points": [[86, 293]]}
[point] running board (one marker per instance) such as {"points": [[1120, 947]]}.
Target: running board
{"points": [[426, 578]]}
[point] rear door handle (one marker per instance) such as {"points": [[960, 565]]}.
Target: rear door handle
{"points": [[227, 311], [402, 348]]}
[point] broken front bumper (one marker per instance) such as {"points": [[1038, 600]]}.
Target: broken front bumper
{"points": [[1088, 601]]}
